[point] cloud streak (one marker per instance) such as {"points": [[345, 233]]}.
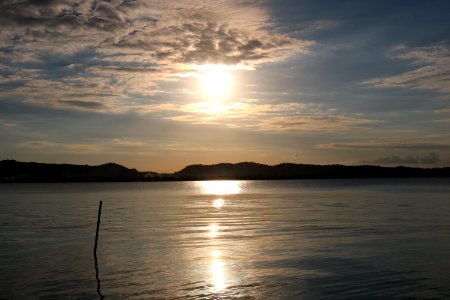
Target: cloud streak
{"points": [[251, 114], [432, 73], [61, 147], [388, 146]]}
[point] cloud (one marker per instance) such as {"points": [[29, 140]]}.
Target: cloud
{"points": [[432, 72], [251, 114], [83, 104], [115, 145], [79, 53], [389, 146], [208, 40], [316, 123], [443, 121], [126, 142], [428, 159], [61, 147], [183, 148], [7, 124]]}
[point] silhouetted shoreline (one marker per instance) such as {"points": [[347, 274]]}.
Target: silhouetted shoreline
{"points": [[14, 171]]}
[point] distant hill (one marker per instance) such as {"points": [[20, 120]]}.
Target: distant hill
{"points": [[14, 171], [251, 170]]}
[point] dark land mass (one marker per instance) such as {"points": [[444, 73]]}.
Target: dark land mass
{"points": [[14, 171], [249, 170]]}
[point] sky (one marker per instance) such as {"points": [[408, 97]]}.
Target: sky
{"points": [[158, 85]]}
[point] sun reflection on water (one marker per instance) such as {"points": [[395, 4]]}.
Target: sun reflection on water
{"points": [[216, 253], [220, 187], [218, 203], [213, 230], [217, 266], [218, 274]]}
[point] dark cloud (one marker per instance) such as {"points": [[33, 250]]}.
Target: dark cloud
{"points": [[210, 42], [118, 69], [428, 159], [390, 146], [83, 104], [59, 15], [188, 32]]}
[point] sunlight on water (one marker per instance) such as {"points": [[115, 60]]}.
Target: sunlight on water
{"points": [[213, 230], [220, 187], [218, 203], [217, 272], [343, 239], [216, 253]]}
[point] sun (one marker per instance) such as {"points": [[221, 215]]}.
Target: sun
{"points": [[215, 81]]}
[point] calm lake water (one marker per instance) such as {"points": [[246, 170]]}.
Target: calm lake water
{"points": [[311, 239]]}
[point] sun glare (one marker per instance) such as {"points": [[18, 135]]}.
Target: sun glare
{"points": [[215, 80], [218, 203], [220, 187], [211, 107]]}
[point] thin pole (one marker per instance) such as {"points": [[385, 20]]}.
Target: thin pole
{"points": [[95, 250]]}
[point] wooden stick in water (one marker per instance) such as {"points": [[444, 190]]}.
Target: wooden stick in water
{"points": [[95, 250]]}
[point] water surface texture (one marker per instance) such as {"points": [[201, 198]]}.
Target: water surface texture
{"points": [[311, 239]]}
